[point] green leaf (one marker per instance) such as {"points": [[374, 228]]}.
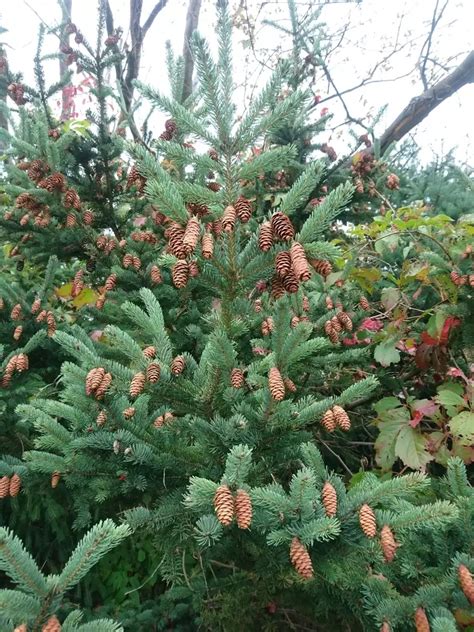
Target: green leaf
{"points": [[385, 353], [462, 426], [447, 398], [390, 297], [385, 442], [387, 403], [410, 447]]}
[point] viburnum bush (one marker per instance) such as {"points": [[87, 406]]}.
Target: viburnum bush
{"points": [[223, 341]]}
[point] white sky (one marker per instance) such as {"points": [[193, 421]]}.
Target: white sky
{"points": [[374, 24]]}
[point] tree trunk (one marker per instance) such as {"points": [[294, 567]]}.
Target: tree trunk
{"points": [[66, 8], [192, 20]]}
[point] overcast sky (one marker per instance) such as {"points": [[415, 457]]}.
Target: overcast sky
{"points": [[374, 25]]}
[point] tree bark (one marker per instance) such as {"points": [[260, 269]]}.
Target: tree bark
{"points": [[419, 107], [3, 89], [192, 20], [66, 9]]}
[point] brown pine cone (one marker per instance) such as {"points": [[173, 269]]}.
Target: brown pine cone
{"points": [[265, 237], [257, 305], [191, 234], [243, 208], [207, 245], [52, 625], [322, 267], [16, 313], [364, 303], [336, 324], [93, 379], [101, 418], [51, 323], [104, 385], [243, 509], [329, 303], [290, 282], [153, 372], [72, 199], [345, 320], [470, 279], [180, 274], [15, 485], [178, 364], [267, 326], [388, 543], [137, 384], [193, 269], [163, 419], [305, 304], [457, 278], [55, 182], [224, 505], [289, 385], [216, 227], [149, 352], [136, 262], [175, 235], [421, 621], [4, 486], [277, 290], [21, 628], [393, 181], [129, 412], [213, 155], [22, 362], [276, 384], [17, 333], [214, 186], [282, 226], [301, 559], [331, 332], [329, 498], [2, 303], [110, 282], [294, 322], [71, 220], [237, 378], [88, 217], [385, 627], [283, 263], [55, 478], [341, 418], [300, 262], [127, 260], [35, 307], [155, 275], [228, 219], [467, 582], [328, 421], [367, 521]]}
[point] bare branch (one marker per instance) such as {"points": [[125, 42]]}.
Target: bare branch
{"points": [[426, 48], [192, 19], [151, 18]]}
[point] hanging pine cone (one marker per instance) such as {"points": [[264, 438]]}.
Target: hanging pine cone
{"points": [[237, 378], [191, 234], [51, 323], [129, 412], [155, 275], [467, 582], [257, 305], [4, 487], [216, 227], [214, 186], [72, 199], [2, 303], [22, 362], [421, 621], [364, 303], [265, 237], [294, 322], [243, 509], [305, 304], [207, 245], [301, 559], [367, 521], [277, 290], [52, 625], [36, 305], [385, 627], [457, 278], [17, 333], [335, 322], [101, 418], [55, 478], [290, 282], [276, 384], [329, 498], [103, 387], [243, 208], [328, 421], [127, 260], [331, 332], [55, 182], [16, 313], [77, 283], [341, 418], [137, 384], [289, 385], [136, 262], [329, 303], [228, 219], [153, 372], [88, 217], [193, 269], [388, 543], [224, 505], [175, 235], [393, 181], [267, 326], [345, 320], [321, 266], [163, 419], [149, 352], [15, 485], [471, 280], [178, 364], [299, 262], [180, 274], [93, 379], [110, 282], [283, 263], [282, 226], [21, 628], [213, 155]]}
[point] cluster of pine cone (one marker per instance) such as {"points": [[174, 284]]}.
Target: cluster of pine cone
{"points": [[333, 327], [334, 417], [98, 382], [228, 507], [19, 363], [462, 279], [10, 486], [17, 315]]}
